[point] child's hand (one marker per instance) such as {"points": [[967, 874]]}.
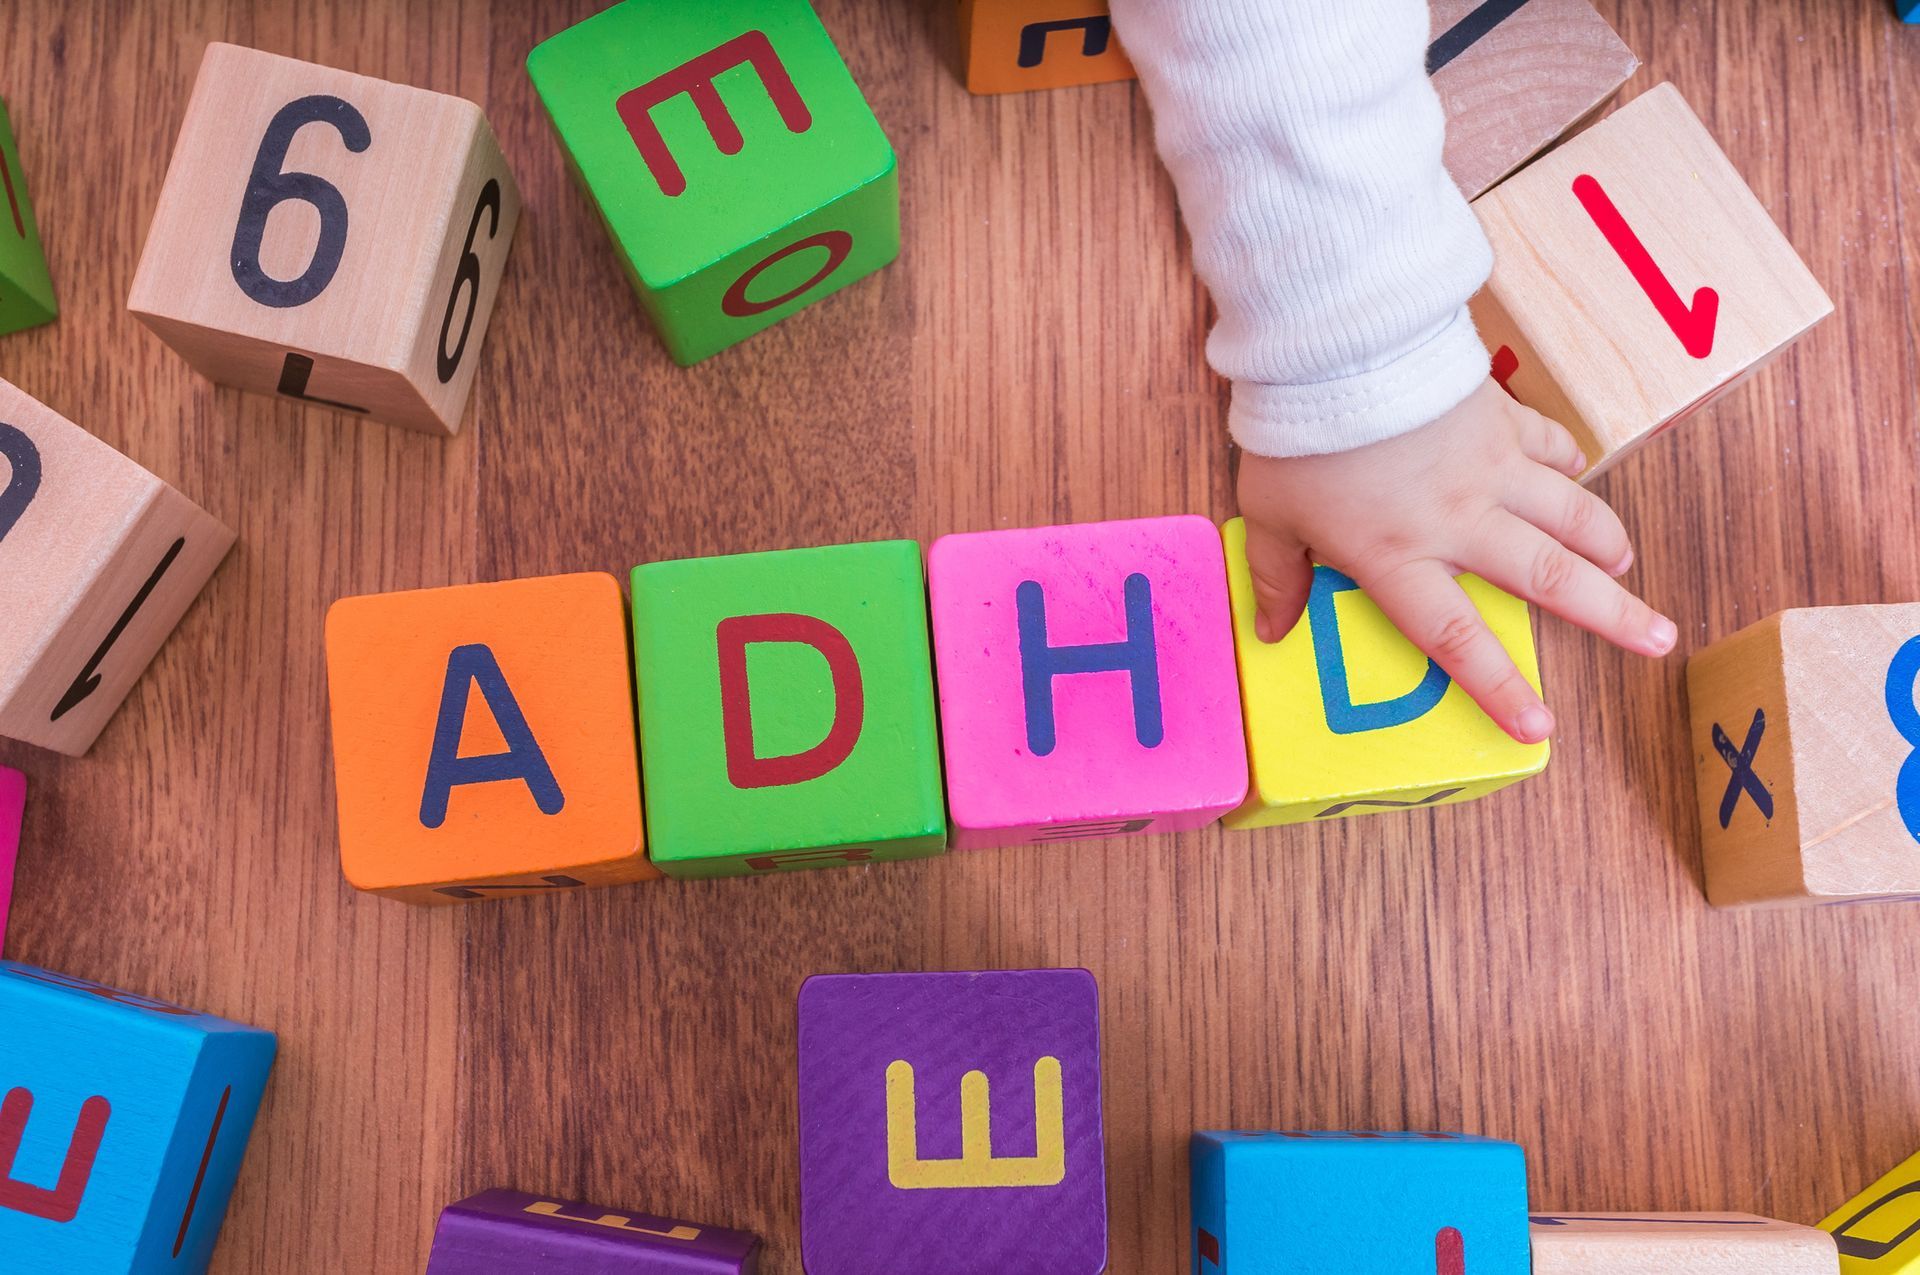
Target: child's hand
{"points": [[1488, 489]]}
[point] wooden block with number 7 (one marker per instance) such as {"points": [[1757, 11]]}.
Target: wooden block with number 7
{"points": [[1635, 277], [329, 237]]}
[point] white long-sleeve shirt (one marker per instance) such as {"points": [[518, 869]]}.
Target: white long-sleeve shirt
{"points": [[1305, 141]]}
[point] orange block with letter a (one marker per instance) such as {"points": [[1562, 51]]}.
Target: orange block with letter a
{"points": [[483, 739], [1013, 45]]}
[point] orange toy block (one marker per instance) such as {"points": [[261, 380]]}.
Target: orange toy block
{"points": [[483, 739], [1013, 45]]}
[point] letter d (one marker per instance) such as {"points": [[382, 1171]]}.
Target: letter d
{"points": [[745, 767]]}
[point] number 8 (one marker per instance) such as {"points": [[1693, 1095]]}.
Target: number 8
{"points": [[468, 275], [268, 187]]}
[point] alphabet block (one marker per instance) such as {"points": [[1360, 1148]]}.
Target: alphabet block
{"points": [[1086, 681], [732, 158], [1909, 10], [1517, 75], [501, 1232], [950, 1124], [26, 290], [1804, 733], [483, 739], [1447, 1203], [1878, 1231], [122, 1123], [99, 559], [1635, 277], [1345, 716], [13, 802], [1012, 45], [786, 710], [329, 237], [1678, 1244]]}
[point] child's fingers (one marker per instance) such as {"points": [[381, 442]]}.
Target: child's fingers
{"points": [[1282, 579], [1547, 441], [1429, 606], [1572, 515], [1524, 560]]}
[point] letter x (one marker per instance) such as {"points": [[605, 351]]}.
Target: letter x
{"points": [[1740, 761]]}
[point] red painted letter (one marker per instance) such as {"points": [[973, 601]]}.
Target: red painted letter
{"points": [[695, 79], [63, 1201], [1505, 364], [745, 768], [1693, 326], [1449, 1252]]}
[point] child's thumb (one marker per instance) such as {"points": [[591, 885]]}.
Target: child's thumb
{"points": [[1282, 578]]}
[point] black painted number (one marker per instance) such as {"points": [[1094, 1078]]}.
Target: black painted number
{"points": [[468, 276], [268, 187], [23, 458]]}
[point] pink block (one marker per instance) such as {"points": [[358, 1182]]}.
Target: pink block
{"points": [[13, 803], [1087, 681]]}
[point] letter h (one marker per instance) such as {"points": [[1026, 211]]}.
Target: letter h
{"points": [[1136, 656]]}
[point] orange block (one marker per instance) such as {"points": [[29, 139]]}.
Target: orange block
{"points": [[483, 739], [1013, 45]]}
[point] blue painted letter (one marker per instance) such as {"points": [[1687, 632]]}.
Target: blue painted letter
{"points": [[1040, 663], [523, 760], [1344, 717], [1902, 673]]}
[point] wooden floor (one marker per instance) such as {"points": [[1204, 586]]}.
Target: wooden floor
{"points": [[1538, 966]]}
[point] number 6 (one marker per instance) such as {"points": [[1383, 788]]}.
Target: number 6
{"points": [[467, 275], [268, 187]]}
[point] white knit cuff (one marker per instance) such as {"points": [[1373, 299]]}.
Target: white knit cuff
{"points": [[1415, 389]]}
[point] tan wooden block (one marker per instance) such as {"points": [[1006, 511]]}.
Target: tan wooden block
{"points": [[98, 561], [1517, 77], [1595, 246], [330, 237], [1679, 1244], [1804, 731]]}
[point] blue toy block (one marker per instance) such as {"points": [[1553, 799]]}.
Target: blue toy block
{"points": [[122, 1124], [1909, 10], [1383, 1203]]}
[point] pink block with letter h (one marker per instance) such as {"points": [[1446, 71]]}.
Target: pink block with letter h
{"points": [[1087, 680]]}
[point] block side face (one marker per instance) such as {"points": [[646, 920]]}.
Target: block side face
{"points": [[1850, 676], [504, 1232], [1877, 1231], [342, 277], [889, 1183], [1345, 716], [1014, 46], [787, 707], [530, 673], [26, 299], [1649, 273], [13, 804], [1518, 363], [1697, 1243], [1086, 679], [1738, 685], [619, 89]]}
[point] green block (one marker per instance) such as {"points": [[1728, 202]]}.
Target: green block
{"points": [[26, 290], [732, 158], [786, 707]]}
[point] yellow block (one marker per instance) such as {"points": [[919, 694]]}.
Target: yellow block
{"points": [[1878, 1230], [1368, 723]]}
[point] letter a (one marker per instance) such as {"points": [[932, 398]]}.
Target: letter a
{"points": [[468, 666], [747, 769], [1344, 717], [63, 1201]]}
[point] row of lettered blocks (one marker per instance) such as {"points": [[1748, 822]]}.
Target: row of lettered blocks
{"points": [[949, 1124], [741, 176]]}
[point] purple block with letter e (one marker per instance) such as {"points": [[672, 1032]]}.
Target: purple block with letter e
{"points": [[501, 1232], [950, 1124]]}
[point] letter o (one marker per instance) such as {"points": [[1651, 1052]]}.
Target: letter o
{"points": [[838, 244]]}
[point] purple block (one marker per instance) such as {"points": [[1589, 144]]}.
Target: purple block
{"points": [[502, 1232], [950, 1124]]}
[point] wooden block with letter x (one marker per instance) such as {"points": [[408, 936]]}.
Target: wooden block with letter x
{"points": [[732, 157], [950, 1124], [1635, 277], [123, 1120], [1878, 1230], [329, 237], [99, 559], [1804, 740], [1517, 75], [1013, 45], [1678, 1244], [483, 741], [1345, 716], [786, 710], [26, 290], [501, 1232], [1446, 1203]]}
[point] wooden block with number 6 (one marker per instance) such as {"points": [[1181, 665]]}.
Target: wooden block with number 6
{"points": [[99, 559], [1635, 277], [329, 237], [483, 740], [1804, 739]]}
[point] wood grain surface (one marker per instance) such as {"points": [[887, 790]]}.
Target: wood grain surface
{"points": [[1540, 965]]}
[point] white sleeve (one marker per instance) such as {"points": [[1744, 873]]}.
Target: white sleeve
{"points": [[1305, 139]]}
